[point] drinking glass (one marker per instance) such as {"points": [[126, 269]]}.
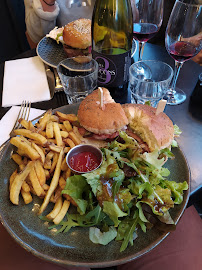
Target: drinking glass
{"points": [[149, 81], [78, 78], [147, 20], [183, 40]]}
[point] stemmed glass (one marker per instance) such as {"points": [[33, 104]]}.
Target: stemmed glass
{"points": [[147, 20], [183, 40]]}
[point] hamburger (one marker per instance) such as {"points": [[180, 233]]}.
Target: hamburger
{"points": [[152, 131], [77, 38], [99, 125]]}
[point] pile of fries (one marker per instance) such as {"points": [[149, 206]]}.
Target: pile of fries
{"points": [[41, 158]]}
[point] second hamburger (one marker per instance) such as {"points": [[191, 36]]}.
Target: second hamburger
{"points": [[77, 38]]}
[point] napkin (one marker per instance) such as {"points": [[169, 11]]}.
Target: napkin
{"points": [[8, 120], [24, 79]]}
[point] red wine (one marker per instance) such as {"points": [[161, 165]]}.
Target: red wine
{"points": [[144, 31], [182, 51]]}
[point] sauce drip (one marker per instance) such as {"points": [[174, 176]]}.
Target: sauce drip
{"points": [[84, 162]]}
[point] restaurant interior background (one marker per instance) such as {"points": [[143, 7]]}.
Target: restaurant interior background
{"points": [[13, 42]]}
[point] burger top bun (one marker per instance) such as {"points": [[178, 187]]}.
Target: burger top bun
{"points": [[106, 120], [77, 34], [156, 130]]}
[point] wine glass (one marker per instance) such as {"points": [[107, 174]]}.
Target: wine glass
{"points": [[183, 40], [147, 20]]}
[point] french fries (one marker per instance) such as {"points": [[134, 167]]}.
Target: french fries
{"points": [[18, 181], [41, 160], [32, 135], [53, 184], [35, 183], [27, 197], [40, 151], [57, 133], [49, 130], [74, 138], [25, 147], [69, 117], [69, 142], [67, 125], [43, 121], [56, 209], [40, 172], [62, 212]]}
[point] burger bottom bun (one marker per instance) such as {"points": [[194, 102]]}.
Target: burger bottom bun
{"points": [[83, 59], [106, 120], [156, 130]]}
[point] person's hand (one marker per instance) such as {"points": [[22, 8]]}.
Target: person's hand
{"points": [[196, 41], [198, 58], [135, 11]]}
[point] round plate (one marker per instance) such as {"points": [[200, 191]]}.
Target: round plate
{"points": [[74, 248], [50, 52]]}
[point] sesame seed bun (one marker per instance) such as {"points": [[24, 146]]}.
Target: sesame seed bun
{"points": [[101, 121], [77, 34], [156, 130]]}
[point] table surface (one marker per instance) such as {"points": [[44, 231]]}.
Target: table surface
{"points": [[190, 141]]}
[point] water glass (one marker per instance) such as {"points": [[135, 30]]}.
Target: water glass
{"points": [[149, 81], [78, 78]]}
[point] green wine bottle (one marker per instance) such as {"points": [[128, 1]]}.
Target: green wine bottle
{"points": [[112, 34]]}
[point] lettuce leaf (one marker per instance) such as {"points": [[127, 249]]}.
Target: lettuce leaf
{"points": [[127, 230], [92, 178], [118, 177], [75, 186], [129, 143], [153, 159], [113, 211], [176, 189], [103, 238], [177, 130]]}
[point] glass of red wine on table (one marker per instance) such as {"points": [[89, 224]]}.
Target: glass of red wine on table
{"points": [[147, 20], [183, 40]]}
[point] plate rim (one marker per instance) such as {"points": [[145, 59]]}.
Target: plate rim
{"points": [[102, 264], [37, 51]]}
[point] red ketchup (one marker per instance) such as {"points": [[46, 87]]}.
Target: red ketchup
{"points": [[84, 162]]}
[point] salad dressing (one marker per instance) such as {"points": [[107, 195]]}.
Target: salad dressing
{"points": [[107, 194], [156, 204]]}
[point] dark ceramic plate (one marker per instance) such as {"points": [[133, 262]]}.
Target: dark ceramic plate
{"points": [[50, 52], [75, 248]]}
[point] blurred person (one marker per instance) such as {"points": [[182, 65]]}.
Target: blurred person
{"points": [[41, 16]]}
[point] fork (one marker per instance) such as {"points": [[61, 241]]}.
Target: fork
{"points": [[23, 114]]}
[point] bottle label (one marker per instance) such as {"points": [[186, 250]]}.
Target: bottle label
{"points": [[113, 70]]}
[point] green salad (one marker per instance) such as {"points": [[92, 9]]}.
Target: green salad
{"points": [[128, 192]]}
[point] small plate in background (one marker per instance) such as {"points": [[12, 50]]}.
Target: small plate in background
{"points": [[50, 52]]}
